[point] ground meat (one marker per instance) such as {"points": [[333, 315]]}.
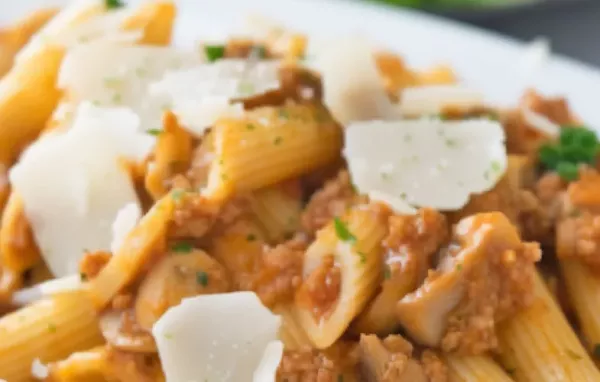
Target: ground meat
{"points": [[311, 365], [92, 263], [549, 187], [281, 273], [555, 109], [336, 196], [578, 237], [134, 367], [321, 289], [194, 215], [411, 242], [499, 284], [435, 369]]}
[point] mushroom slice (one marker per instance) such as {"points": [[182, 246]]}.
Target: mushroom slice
{"points": [[485, 275]]}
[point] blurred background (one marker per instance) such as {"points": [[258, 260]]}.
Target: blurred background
{"points": [[572, 26]]}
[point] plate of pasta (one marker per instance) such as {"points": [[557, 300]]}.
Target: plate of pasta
{"points": [[192, 196]]}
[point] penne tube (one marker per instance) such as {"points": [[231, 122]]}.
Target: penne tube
{"points": [[48, 330], [14, 37], [277, 210], [474, 369], [583, 287], [539, 345], [342, 271], [270, 145], [172, 155], [145, 240], [291, 332], [85, 366], [18, 250]]}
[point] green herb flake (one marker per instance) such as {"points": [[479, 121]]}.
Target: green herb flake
{"points": [[51, 328], [251, 237], [113, 4], [573, 355], [451, 142], [154, 132], [387, 272], [83, 276], [117, 98], [459, 267], [168, 336], [340, 378], [182, 247], [342, 231], [596, 351], [568, 171], [250, 127], [277, 141], [202, 278], [177, 194], [214, 52], [496, 166], [362, 256]]}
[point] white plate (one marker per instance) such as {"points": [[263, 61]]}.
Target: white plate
{"points": [[487, 61]]}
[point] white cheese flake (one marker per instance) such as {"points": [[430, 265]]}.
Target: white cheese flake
{"points": [[91, 73], [540, 122], [430, 100], [440, 166], [200, 95], [64, 284], [353, 89], [39, 370], [126, 220], [203, 339], [73, 183]]}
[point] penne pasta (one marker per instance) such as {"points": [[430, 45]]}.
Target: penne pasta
{"points": [[145, 240], [539, 345], [291, 332], [48, 330], [278, 210], [84, 366], [474, 369], [583, 287], [271, 145], [18, 250], [14, 37], [345, 260], [172, 155]]}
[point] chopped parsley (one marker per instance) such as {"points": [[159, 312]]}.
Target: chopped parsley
{"points": [[154, 132], [278, 140], [202, 278], [451, 142], [496, 166], [596, 352], [363, 257], [250, 126], [51, 328], [114, 4], [576, 145], [214, 52], [340, 378], [83, 276], [342, 231], [283, 114], [182, 247], [251, 237], [387, 272], [177, 194], [459, 267]]}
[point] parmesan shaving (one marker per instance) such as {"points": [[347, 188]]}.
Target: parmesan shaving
{"points": [[216, 86], [204, 339], [353, 89], [47, 288], [541, 123], [126, 220], [73, 183], [39, 370], [425, 163], [429, 100], [90, 72]]}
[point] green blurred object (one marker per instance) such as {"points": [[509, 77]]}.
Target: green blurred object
{"points": [[432, 4]]}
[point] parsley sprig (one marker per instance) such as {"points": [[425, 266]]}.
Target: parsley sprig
{"points": [[342, 231], [114, 4], [576, 145], [214, 52]]}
